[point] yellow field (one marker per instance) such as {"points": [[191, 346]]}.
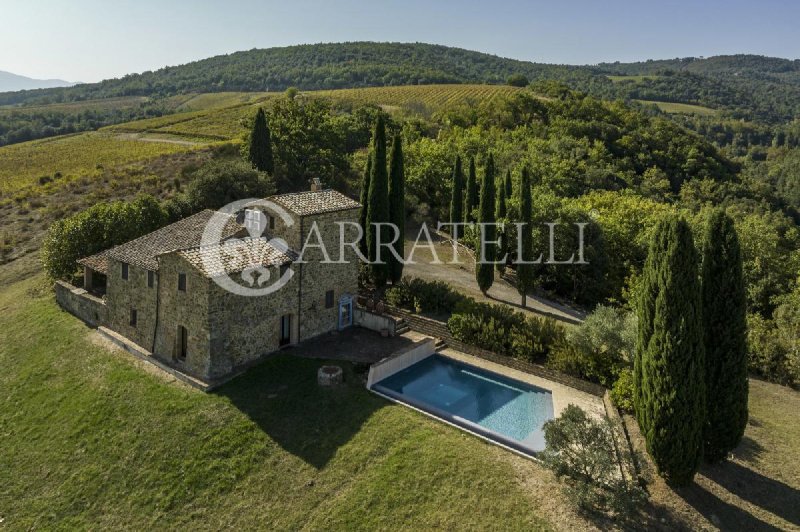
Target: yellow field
{"points": [[21, 165]]}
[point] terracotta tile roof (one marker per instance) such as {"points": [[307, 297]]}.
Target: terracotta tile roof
{"points": [[142, 251], [236, 255], [315, 202], [98, 262]]}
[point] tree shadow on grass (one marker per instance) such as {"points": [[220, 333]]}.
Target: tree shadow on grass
{"points": [[769, 494], [312, 422], [721, 514]]}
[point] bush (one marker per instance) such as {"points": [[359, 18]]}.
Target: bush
{"points": [[767, 356], [622, 391], [416, 295], [600, 348], [581, 451], [502, 330]]}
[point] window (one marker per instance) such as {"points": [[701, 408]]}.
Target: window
{"points": [[182, 282], [125, 270], [151, 276], [133, 317], [182, 339], [272, 222], [329, 299]]}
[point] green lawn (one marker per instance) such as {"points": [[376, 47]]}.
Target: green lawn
{"points": [[90, 439]]}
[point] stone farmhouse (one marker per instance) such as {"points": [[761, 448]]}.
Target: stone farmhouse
{"points": [[160, 292]]}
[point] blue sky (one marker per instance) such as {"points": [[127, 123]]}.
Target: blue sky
{"points": [[89, 40]]}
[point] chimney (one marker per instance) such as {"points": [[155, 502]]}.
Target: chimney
{"points": [[316, 185]]}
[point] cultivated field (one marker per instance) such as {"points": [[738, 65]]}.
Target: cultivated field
{"points": [[681, 108]]}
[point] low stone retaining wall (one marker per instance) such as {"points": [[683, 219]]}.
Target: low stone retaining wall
{"points": [[400, 361], [372, 321], [439, 330], [81, 304]]}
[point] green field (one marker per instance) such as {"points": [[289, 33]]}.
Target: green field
{"points": [[635, 79], [93, 440], [681, 108]]}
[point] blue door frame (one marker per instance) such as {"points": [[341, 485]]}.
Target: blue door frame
{"points": [[345, 311]]}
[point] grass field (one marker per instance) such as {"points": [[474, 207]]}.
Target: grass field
{"points": [[681, 108], [91, 440]]}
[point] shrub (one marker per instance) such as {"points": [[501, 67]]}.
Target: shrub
{"points": [[416, 295], [581, 451], [600, 348], [502, 330], [766, 354], [622, 391]]}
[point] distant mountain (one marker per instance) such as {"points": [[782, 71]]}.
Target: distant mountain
{"points": [[15, 82]]}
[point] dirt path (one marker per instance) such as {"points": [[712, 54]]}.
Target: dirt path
{"points": [[142, 138], [462, 277]]}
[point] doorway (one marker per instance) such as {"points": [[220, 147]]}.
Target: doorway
{"points": [[286, 330], [345, 312]]}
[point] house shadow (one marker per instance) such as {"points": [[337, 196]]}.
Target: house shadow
{"points": [[769, 494], [721, 514], [312, 422]]}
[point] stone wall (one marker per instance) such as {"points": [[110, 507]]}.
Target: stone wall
{"points": [[123, 295], [243, 328], [317, 277], [81, 304], [189, 309]]}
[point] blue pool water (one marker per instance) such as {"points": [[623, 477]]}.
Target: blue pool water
{"points": [[492, 405]]}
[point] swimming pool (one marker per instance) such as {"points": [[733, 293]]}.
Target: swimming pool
{"points": [[493, 406]]}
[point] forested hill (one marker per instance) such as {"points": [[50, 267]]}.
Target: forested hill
{"points": [[742, 86], [312, 67]]}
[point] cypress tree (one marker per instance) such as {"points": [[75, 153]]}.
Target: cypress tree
{"points": [[484, 271], [260, 154], [509, 189], [725, 330], [500, 214], [364, 198], [457, 197], [525, 271], [397, 207], [471, 200], [669, 364], [378, 202]]}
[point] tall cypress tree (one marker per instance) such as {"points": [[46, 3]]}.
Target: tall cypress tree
{"points": [[378, 201], [501, 214], [457, 197], [725, 328], [484, 271], [471, 199], [397, 207], [525, 271], [669, 364], [365, 205], [260, 154]]}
